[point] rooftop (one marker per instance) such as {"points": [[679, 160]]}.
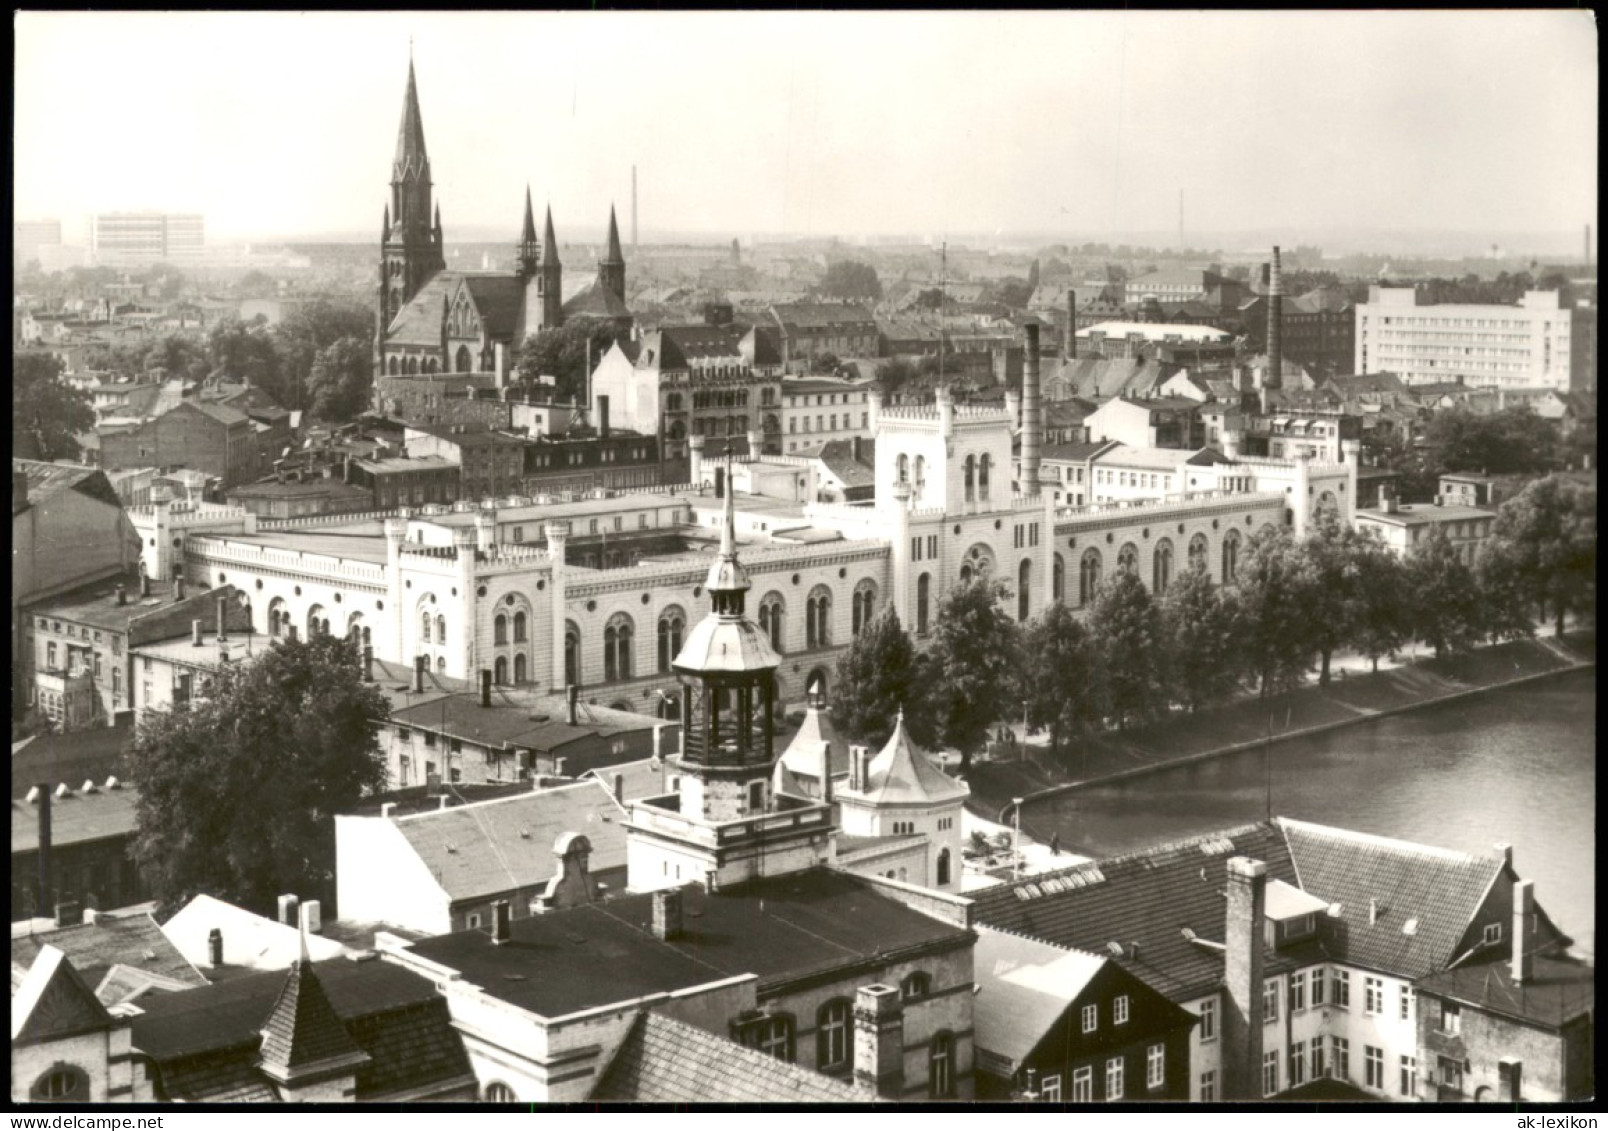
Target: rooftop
{"points": [[111, 940], [76, 818], [1558, 991], [1423, 514], [1027, 986], [518, 718]]}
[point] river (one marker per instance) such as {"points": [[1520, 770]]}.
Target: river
{"points": [[1515, 764]]}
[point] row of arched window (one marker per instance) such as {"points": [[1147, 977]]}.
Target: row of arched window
{"points": [[834, 1039], [412, 366]]}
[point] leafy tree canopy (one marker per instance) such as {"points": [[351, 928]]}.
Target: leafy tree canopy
{"points": [[972, 665], [1513, 441], [1061, 676], [848, 279], [1199, 623], [341, 380], [876, 678], [561, 353], [1127, 627], [47, 414], [1544, 543]]}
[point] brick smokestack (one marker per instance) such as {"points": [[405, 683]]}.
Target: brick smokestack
{"points": [[1071, 350], [1275, 326], [1242, 978], [879, 1040], [1523, 908], [1032, 414]]}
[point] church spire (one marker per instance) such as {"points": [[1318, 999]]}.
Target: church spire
{"points": [[528, 235], [611, 268], [411, 158], [614, 255], [549, 243], [528, 253]]}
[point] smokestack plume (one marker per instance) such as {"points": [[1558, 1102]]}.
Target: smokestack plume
{"points": [[1032, 418], [1275, 326]]}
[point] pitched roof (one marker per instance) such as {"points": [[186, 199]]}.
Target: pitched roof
{"points": [[302, 1029], [249, 940], [803, 753], [53, 1002], [663, 1060], [111, 940], [902, 774], [496, 846], [75, 819], [1027, 986], [499, 300], [418, 322], [1101, 378], [73, 756], [676, 347], [1438, 888], [838, 455], [809, 317], [47, 480], [410, 153], [596, 301], [1558, 990]]}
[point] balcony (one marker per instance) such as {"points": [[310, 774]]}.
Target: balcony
{"points": [[792, 817]]}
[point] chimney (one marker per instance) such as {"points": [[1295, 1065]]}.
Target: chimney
{"points": [[223, 619], [346, 468], [1504, 852], [1523, 912], [122, 595], [288, 908], [386, 809], [1032, 414], [368, 663], [879, 1040], [145, 585], [1071, 350], [603, 416], [215, 947], [1242, 978], [695, 449], [47, 887], [502, 920], [572, 695], [856, 768], [195, 632], [312, 920], [1275, 326], [485, 687], [1373, 911], [19, 490], [418, 667], [619, 788], [667, 914], [69, 913]]}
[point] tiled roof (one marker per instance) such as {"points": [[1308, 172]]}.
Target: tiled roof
{"points": [[73, 756], [222, 413], [1557, 991], [808, 317], [1076, 453], [75, 819], [496, 846], [1146, 898], [302, 1028], [676, 347], [94, 948], [838, 455], [1439, 889], [1101, 378], [663, 1060], [1027, 986]]}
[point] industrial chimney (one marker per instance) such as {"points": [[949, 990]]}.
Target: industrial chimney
{"points": [[1071, 350], [1032, 414], [1275, 326]]}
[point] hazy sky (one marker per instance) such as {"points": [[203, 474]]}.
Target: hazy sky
{"points": [[820, 122]]}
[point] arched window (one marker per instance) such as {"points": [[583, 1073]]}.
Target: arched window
{"points": [[770, 1035], [499, 671], [923, 599], [864, 602], [1161, 566], [317, 622], [63, 1082], [618, 638], [977, 564], [982, 477], [818, 618], [1088, 575], [943, 867], [499, 1093], [1198, 552], [771, 613], [499, 630], [519, 628], [572, 654], [441, 630], [904, 468], [441, 663], [971, 479], [817, 680], [521, 670], [832, 1036], [1231, 548], [392, 366], [464, 364], [672, 625], [424, 626], [921, 474], [278, 617], [1058, 580], [1128, 558], [916, 985], [941, 1067]]}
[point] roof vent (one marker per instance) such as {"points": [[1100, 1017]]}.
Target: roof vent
{"points": [[524, 834], [1336, 910], [33, 795], [451, 847], [63, 791], [1189, 935], [1410, 927], [113, 783], [1114, 949], [90, 787]]}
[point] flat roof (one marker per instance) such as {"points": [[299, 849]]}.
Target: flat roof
{"points": [[580, 507], [1423, 514], [355, 547]]}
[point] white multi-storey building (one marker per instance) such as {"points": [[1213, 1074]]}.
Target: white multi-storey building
{"points": [[1532, 344]]}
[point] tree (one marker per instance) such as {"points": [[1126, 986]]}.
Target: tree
{"points": [[894, 374], [1014, 293], [1514, 441], [47, 414], [1126, 627], [1330, 577], [930, 299], [876, 678], [1447, 609], [1060, 675], [238, 789], [1199, 621], [338, 388], [561, 353], [1275, 630], [848, 279], [1381, 613], [1544, 542], [971, 666], [1033, 277]]}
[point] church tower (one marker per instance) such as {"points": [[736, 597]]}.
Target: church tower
{"points": [[529, 252], [411, 247], [611, 268], [725, 824], [551, 280]]}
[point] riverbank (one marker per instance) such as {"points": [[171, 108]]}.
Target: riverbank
{"points": [[1245, 723]]}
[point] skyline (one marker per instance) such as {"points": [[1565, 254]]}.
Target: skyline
{"points": [[1474, 124]]}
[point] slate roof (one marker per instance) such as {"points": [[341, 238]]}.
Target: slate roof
{"points": [[902, 774], [597, 301], [499, 300], [663, 1060], [496, 846], [1558, 991], [811, 923], [1100, 378], [1027, 986], [675, 347], [112, 940], [302, 1028], [813, 317], [418, 323], [75, 819]]}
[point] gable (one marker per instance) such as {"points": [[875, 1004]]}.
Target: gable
{"points": [[54, 1003]]}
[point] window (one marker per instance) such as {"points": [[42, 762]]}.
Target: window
{"points": [[1091, 1018], [1340, 1058], [618, 638], [1083, 1085], [1315, 1059], [1270, 1001], [1493, 933], [915, 985], [1119, 1010], [1155, 1066], [1208, 1087], [832, 1036], [772, 1036], [1340, 988], [499, 1093], [756, 797], [944, 867], [1373, 1063], [1297, 1063], [1298, 991], [1409, 1074], [1451, 1018], [1406, 1000], [499, 632], [941, 1067], [1270, 1073], [1373, 995], [1208, 1021], [62, 1084], [1114, 1071], [1317, 986]]}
